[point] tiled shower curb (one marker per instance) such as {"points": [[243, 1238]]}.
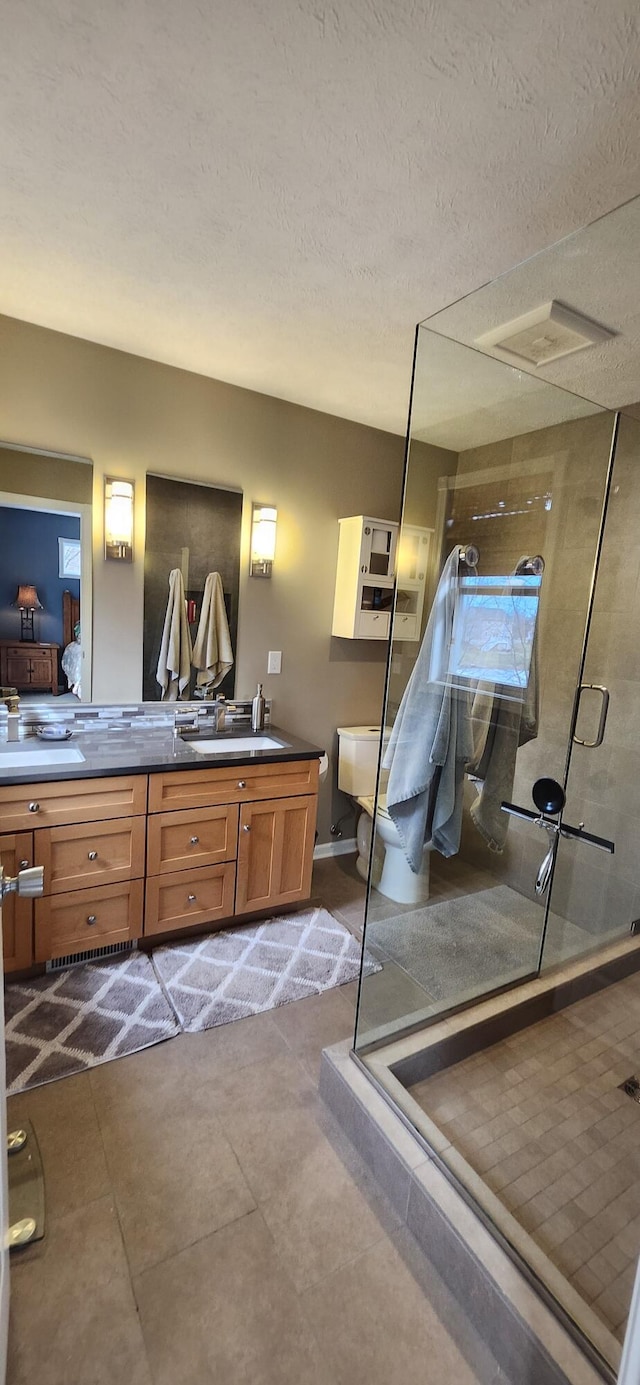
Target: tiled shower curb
{"points": [[528, 1342]]}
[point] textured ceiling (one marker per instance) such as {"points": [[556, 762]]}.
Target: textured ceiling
{"points": [[597, 272], [274, 192], [465, 399]]}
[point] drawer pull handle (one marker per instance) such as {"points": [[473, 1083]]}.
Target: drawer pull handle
{"points": [[93, 855], [23, 865], [247, 827], [242, 783], [92, 918], [194, 841], [34, 807], [191, 898]]}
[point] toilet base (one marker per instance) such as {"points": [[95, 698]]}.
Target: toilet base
{"points": [[398, 882], [391, 874]]}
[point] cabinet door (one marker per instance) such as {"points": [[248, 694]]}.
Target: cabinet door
{"points": [[275, 852], [41, 670], [16, 852], [18, 668], [378, 552]]}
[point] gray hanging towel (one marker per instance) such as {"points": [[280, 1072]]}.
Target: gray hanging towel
{"points": [[431, 739]]}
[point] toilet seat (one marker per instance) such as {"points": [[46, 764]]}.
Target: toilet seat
{"points": [[368, 801]]}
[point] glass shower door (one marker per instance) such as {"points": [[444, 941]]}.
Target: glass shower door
{"points": [[596, 892], [515, 470]]}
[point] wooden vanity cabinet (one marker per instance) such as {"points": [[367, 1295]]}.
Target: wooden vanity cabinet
{"points": [[90, 837], [263, 846], [216, 845], [16, 852]]}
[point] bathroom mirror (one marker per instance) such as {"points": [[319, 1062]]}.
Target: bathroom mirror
{"points": [[46, 508], [194, 529], [45, 606]]}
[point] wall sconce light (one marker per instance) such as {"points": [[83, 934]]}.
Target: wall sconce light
{"points": [[264, 519], [28, 601], [118, 519]]}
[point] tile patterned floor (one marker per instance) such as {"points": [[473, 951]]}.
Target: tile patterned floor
{"points": [[209, 1224], [540, 1116]]}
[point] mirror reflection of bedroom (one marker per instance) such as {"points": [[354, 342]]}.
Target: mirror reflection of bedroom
{"points": [[40, 615], [45, 575]]}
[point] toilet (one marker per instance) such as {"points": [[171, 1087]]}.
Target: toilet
{"points": [[391, 873]]}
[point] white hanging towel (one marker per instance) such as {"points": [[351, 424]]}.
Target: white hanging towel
{"points": [[212, 653], [174, 662]]}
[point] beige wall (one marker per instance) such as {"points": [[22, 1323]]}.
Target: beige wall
{"points": [[130, 416], [53, 478]]}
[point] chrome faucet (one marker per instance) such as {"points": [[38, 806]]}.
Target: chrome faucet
{"points": [[12, 703], [220, 713], [10, 698], [186, 721], [190, 722]]}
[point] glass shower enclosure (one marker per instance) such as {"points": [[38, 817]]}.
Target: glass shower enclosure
{"points": [[509, 784]]}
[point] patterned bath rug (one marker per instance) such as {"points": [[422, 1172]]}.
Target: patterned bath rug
{"points": [[72, 1020], [243, 971]]}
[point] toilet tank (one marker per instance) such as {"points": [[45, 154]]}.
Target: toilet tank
{"points": [[358, 759]]}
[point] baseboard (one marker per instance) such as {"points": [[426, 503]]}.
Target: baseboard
{"points": [[337, 848]]}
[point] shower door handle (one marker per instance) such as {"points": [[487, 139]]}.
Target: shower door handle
{"points": [[564, 829], [549, 798], [604, 712]]}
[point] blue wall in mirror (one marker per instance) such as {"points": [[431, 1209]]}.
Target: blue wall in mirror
{"points": [[29, 554]]}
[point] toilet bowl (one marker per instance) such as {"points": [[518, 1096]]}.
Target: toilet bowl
{"points": [[394, 878], [391, 873]]}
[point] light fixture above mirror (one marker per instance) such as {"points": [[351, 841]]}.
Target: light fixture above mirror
{"points": [[118, 519], [264, 519]]}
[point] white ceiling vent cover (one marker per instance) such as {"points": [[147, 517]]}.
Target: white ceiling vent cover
{"points": [[545, 334]]}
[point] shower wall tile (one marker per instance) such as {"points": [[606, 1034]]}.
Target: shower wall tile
{"points": [[598, 893]]}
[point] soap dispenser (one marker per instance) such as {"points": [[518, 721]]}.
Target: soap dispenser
{"points": [[257, 711]]}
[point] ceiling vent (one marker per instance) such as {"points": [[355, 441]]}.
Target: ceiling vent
{"points": [[545, 334]]}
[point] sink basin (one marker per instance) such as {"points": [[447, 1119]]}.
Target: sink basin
{"points": [[23, 757], [234, 745]]}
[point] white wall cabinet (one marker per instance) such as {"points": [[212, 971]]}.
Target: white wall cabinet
{"points": [[365, 578], [414, 552]]}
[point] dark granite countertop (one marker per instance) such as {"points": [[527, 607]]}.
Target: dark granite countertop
{"points": [[147, 752]]}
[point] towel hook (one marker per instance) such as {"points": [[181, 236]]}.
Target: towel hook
{"points": [[531, 566], [469, 554]]}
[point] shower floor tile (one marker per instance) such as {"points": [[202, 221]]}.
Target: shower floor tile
{"points": [[541, 1117]]}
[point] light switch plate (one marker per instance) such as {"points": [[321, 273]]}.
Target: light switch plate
{"points": [[274, 661]]}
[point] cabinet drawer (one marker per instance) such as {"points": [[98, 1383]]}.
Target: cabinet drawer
{"points": [[83, 855], [80, 800], [198, 788], [406, 626], [17, 914], [84, 919], [373, 625], [195, 837], [187, 899]]}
